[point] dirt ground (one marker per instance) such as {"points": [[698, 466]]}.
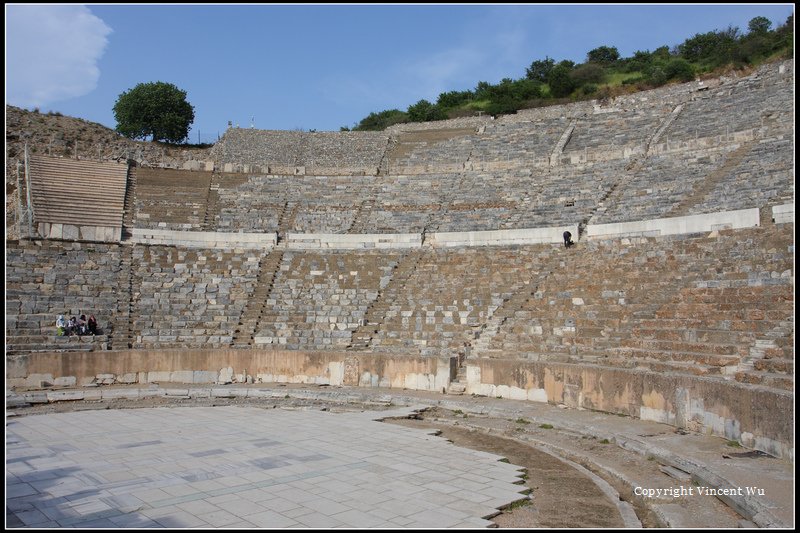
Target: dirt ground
{"points": [[561, 496]]}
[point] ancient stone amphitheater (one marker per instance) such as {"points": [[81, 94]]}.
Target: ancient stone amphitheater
{"points": [[430, 257]]}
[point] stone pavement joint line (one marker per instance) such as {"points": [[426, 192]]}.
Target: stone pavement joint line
{"points": [[242, 467]]}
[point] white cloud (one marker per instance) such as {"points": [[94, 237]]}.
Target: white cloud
{"points": [[52, 53]]}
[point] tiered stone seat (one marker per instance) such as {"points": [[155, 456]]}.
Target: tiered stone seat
{"points": [[171, 199], [506, 144], [755, 101], [319, 299], [45, 279], [77, 192], [426, 150], [615, 129], [765, 176], [447, 297], [253, 206], [283, 151], [190, 298], [695, 304], [659, 185]]}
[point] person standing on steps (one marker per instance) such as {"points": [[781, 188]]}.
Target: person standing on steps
{"points": [[568, 239]]}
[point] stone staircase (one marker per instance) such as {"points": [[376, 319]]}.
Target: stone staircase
{"points": [[320, 298], [458, 386], [522, 293], [212, 204], [558, 149], [129, 210], [361, 219], [121, 337], [376, 312], [770, 361], [253, 313], [286, 218], [663, 127]]}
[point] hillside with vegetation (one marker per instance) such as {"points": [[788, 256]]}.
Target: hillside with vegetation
{"points": [[604, 74], [57, 135]]}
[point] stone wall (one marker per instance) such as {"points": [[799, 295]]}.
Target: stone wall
{"points": [[226, 366], [754, 416]]}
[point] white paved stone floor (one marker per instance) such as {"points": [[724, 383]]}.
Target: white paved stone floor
{"points": [[244, 467]]}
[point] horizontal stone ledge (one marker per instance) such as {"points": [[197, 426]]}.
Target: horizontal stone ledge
{"points": [[502, 237], [707, 222], [782, 214], [204, 239]]}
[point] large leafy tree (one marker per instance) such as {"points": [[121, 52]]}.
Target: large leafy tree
{"points": [[540, 69], [154, 109], [603, 54], [424, 111], [559, 79]]}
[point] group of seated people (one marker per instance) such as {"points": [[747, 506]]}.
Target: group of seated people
{"points": [[76, 326]]}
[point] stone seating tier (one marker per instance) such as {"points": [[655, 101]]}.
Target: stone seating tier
{"points": [[171, 199], [189, 298], [47, 278], [693, 304], [81, 193], [717, 305], [758, 100]]}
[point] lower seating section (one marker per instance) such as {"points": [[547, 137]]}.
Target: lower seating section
{"points": [[719, 305], [448, 295], [188, 298], [709, 305], [45, 279], [319, 299]]}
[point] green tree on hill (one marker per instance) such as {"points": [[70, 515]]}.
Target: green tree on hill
{"points": [[603, 54], [154, 109], [424, 111]]}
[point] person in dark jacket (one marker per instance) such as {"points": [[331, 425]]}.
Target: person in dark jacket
{"points": [[568, 239]]}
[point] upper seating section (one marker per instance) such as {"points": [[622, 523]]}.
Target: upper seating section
{"points": [[672, 151], [77, 192], [171, 199], [281, 152], [762, 100]]}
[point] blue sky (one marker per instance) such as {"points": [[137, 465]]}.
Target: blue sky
{"points": [[316, 66]]}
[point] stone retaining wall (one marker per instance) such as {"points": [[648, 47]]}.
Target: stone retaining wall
{"points": [[227, 366], [754, 416]]}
